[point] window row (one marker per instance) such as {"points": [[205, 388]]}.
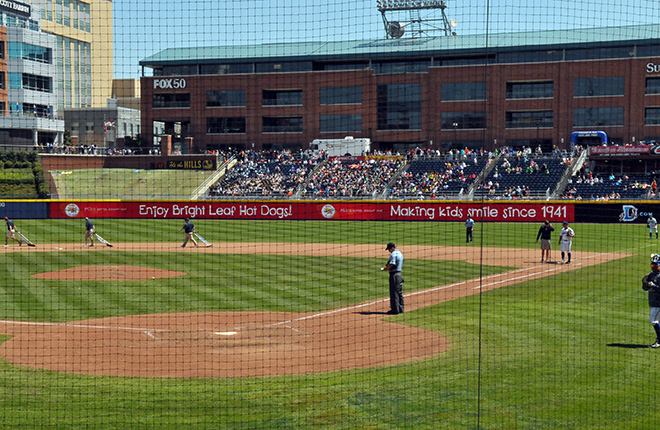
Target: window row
{"points": [[69, 13], [400, 120], [27, 81], [25, 51], [458, 91]]}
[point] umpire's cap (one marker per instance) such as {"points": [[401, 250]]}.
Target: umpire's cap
{"points": [[655, 259], [390, 245]]}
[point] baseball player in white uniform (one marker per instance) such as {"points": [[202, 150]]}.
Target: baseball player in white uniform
{"points": [[566, 236], [652, 223]]}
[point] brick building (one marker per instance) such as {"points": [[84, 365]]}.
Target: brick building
{"points": [[516, 89]]}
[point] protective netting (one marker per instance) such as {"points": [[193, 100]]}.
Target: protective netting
{"points": [[212, 209]]}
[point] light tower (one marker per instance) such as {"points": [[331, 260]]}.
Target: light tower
{"points": [[413, 22]]}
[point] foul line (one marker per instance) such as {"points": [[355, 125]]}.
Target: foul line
{"points": [[52, 324], [431, 290]]}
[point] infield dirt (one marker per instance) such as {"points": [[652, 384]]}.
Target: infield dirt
{"points": [[240, 344]]}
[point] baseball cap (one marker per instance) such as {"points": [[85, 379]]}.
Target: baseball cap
{"points": [[565, 223], [655, 259], [390, 245]]}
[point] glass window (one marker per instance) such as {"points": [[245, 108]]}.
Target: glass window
{"points": [[463, 120], [67, 13], [399, 107], [36, 83], [282, 124], [529, 90], [652, 86], [647, 51], [340, 123], [402, 67], [593, 117], [282, 97], [464, 61], [342, 66], [530, 56], [87, 17], [529, 119], [595, 87], [283, 67], [225, 69], [179, 70], [652, 116], [29, 52], [225, 98], [15, 81], [225, 125], [174, 100], [462, 91], [341, 95], [600, 53]]}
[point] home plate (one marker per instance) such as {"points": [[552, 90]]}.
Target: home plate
{"points": [[225, 333]]}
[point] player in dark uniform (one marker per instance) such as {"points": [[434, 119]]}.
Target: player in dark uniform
{"points": [[89, 232], [651, 283], [11, 233], [189, 229]]}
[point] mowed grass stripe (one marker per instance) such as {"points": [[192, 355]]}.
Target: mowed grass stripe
{"points": [[227, 282]]}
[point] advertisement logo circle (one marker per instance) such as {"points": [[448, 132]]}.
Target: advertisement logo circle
{"points": [[328, 211], [72, 210]]}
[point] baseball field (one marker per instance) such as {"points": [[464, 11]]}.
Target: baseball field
{"points": [[282, 324]]}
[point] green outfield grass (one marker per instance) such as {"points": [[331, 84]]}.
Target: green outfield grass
{"points": [[589, 237], [127, 183], [565, 351]]}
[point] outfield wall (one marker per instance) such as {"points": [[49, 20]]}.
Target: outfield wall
{"points": [[55, 162], [601, 212]]}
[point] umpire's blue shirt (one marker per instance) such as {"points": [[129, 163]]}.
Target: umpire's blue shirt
{"points": [[396, 260]]}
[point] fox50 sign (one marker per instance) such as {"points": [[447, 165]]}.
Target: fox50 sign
{"points": [[169, 84]]}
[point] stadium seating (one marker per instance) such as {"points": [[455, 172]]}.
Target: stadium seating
{"points": [[607, 188], [437, 178], [523, 176]]}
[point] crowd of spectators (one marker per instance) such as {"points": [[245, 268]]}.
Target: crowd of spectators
{"points": [[524, 174], [363, 178], [433, 183], [265, 173], [586, 184]]}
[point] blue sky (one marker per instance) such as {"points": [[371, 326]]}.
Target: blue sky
{"points": [[144, 27]]}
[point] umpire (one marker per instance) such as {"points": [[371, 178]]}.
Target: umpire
{"points": [[394, 266], [651, 283]]}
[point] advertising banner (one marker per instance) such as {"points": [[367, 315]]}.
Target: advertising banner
{"points": [[623, 151], [350, 211], [24, 210], [614, 212]]}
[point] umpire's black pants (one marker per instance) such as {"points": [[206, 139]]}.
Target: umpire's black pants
{"points": [[396, 292]]}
